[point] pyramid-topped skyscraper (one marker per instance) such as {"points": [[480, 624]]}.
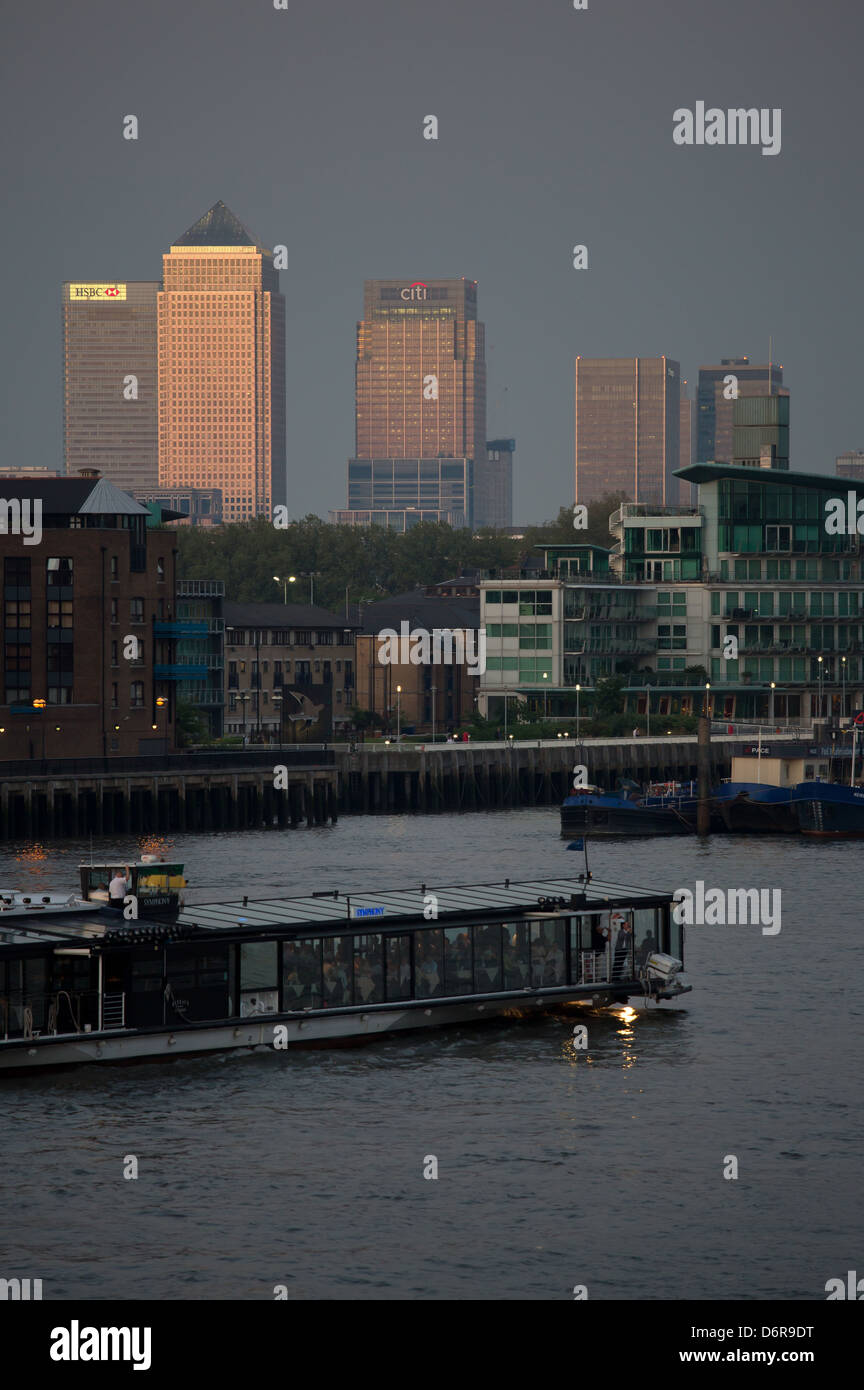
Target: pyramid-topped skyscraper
{"points": [[221, 336]]}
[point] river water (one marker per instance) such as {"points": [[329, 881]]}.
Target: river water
{"points": [[556, 1167]]}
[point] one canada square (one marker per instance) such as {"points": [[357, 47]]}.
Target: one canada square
{"points": [[420, 405], [222, 367]]}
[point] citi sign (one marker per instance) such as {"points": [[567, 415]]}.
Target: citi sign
{"points": [[415, 291]]}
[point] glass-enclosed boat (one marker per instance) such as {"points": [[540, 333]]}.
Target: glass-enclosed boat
{"points": [[329, 968]]}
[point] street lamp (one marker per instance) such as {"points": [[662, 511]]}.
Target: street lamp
{"points": [[578, 693], [434, 691], [771, 716], [42, 704], [244, 701], [647, 710], [820, 669], [398, 713], [277, 701], [707, 699], [162, 703], [278, 579], [545, 688], [843, 697]]}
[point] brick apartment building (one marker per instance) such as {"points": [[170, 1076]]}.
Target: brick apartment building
{"points": [[87, 622]]}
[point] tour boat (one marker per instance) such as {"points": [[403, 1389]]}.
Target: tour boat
{"points": [[330, 968], [14, 903]]}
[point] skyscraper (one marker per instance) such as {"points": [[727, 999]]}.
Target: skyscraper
{"points": [[500, 455], [110, 420], [686, 493], [420, 395], [222, 367], [851, 464], [716, 396], [627, 423]]}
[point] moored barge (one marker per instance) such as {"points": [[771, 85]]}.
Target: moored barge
{"points": [[328, 968]]}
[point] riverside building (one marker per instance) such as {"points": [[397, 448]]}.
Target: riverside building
{"points": [[752, 562]]}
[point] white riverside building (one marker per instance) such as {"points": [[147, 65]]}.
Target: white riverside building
{"points": [[752, 560]]}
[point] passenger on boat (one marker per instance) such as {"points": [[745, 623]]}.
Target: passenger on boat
{"points": [[622, 951], [118, 888]]}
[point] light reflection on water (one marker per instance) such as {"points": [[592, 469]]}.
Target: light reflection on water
{"points": [[556, 1165]]}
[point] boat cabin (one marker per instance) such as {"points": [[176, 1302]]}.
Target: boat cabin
{"points": [[155, 884], [334, 965]]}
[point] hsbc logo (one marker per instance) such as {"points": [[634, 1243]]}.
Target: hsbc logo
{"points": [[99, 292], [415, 291]]}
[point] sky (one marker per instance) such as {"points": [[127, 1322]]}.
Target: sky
{"points": [[555, 130]]}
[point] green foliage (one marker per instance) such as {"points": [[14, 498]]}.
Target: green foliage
{"points": [[191, 727], [609, 695]]}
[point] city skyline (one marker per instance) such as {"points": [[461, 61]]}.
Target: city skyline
{"points": [[737, 247]]}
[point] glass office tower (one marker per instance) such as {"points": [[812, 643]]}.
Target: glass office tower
{"points": [[222, 368], [627, 428]]}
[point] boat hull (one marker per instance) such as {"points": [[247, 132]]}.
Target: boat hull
{"points": [[278, 1033], [615, 816], [827, 811]]}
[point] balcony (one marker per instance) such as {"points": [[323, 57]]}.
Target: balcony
{"points": [[180, 672], [201, 588], [188, 627]]}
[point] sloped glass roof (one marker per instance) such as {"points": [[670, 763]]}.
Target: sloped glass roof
{"points": [[217, 227]]}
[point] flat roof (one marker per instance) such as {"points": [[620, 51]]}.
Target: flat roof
{"points": [[712, 472], [340, 907]]}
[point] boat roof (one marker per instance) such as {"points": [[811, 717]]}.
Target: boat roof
{"points": [[332, 907]]}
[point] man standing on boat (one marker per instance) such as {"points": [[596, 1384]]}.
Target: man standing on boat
{"points": [[118, 888]]}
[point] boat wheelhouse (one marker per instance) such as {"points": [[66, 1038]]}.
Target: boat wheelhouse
{"points": [[331, 968], [154, 884]]}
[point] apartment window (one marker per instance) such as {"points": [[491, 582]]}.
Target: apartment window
{"points": [[325, 639], [60, 612], [277, 672], [302, 638], [778, 537], [136, 610], [17, 612], [115, 695], [59, 694], [114, 615], [137, 695], [115, 569], [114, 661], [59, 571], [16, 572], [160, 567]]}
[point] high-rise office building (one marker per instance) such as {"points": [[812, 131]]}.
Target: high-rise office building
{"points": [[686, 492], [420, 398], [627, 423], [851, 464], [760, 431], [110, 419], [719, 387], [500, 456], [221, 341]]}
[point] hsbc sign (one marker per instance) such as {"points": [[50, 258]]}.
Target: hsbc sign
{"points": [[99, 292], [415, 291]]}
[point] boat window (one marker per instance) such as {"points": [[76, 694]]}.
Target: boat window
{"points": [[259, 967], [644, 933], [458, 971], [487, 959], [301, 974], [11, 989], [188, 968], [672, 937], [398, 955], [547, 953], [146, 975], [514, 943], [368, 969], [337, 954], [428, 963], [36, 990]]}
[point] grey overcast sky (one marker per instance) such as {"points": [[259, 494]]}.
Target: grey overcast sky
{"points": [[555, 129]]}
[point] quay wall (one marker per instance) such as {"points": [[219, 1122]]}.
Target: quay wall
{"points": [[237, 791]]}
